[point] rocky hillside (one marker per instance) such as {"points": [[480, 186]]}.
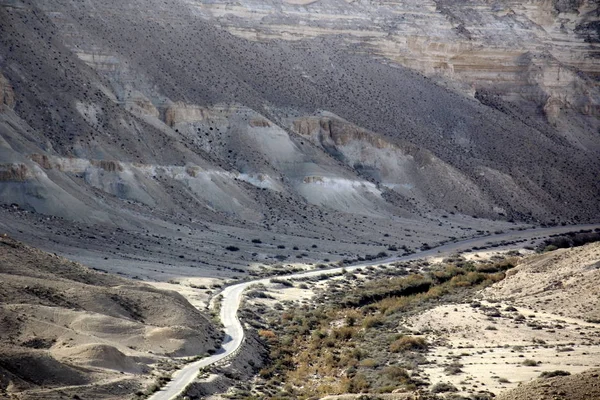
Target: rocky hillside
{"points": [[537, 53], [302, 119], [66, 325]]}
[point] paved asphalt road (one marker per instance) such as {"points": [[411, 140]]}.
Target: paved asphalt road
{"points": [[232, 296]]}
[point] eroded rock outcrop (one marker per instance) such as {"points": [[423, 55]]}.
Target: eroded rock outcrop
{"points": [[7, 94], [123, 104], [16, 172]]}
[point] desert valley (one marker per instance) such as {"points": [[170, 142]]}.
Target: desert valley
{"points": [[299, 199]]}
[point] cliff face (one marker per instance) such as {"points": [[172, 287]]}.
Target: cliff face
{"points": [[540, 51], [293, 116]]}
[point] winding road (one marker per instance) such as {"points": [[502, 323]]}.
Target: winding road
{"points": [[232, 296]]}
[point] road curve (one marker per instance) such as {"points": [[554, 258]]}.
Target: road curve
{"points": [[232, 296]]}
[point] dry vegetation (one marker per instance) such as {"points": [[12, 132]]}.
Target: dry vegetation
{"points": [[350, 339]]}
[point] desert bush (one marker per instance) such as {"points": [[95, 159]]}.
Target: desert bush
{"points": [[258, 294], [395, 287], [482, 396], [392, 304], [435, 292], [447, 273], [552, 374], [503, 265], [530, 363], [368, 363], [475, 278], [372, 321], [283, 282], [267, 334], [573, 239], [357, 384], [153, 388], [343, 333], [396, 373], [453, 369], [443, 387], [408, 343]]}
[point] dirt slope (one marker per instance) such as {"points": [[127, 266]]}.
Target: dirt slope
{"points": [[66, 325], [541, 318], [562, 282]]}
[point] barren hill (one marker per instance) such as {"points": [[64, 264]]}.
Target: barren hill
{"points": [[209, 121], [64, 325]]}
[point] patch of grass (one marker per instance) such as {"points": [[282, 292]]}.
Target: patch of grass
{"points": [[529, 363]]}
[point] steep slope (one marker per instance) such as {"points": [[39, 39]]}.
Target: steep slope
{"points": [[538, 54], [148, 115]]}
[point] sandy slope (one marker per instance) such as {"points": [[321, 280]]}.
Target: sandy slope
{"points": [[563, 282], [66, 326], [544, 311]]}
